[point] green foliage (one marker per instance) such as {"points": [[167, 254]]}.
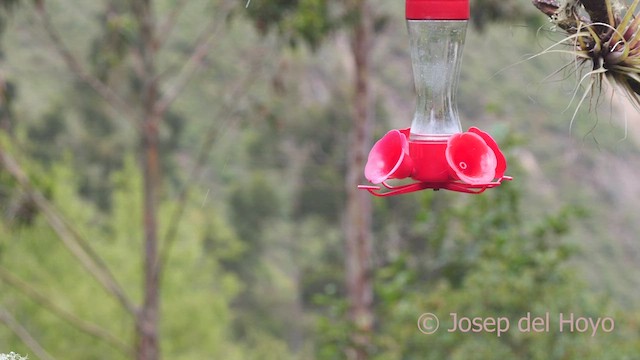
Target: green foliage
{"points": [[111, 48], [308, 21], [479, 256], [50, 269], [256, 269], [311, 22], [268, 13], [198, 291], [485, 12], [6, 6], [8, 90]]}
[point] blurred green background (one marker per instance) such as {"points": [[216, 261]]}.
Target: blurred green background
{"points": [[251, 193]]}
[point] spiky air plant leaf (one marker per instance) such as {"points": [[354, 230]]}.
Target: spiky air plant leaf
{"points": [[604, 34]]}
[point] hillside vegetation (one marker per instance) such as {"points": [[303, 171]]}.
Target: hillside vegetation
{"points": [[251, 207]]}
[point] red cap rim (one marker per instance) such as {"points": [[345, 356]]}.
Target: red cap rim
{"points": [[437, 9]]}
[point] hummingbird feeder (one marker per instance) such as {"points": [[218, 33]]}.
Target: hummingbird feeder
{"points": [[434, 151]]}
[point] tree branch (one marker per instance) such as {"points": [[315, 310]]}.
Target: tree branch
{"points": [[113, 99], [165, 29], [194, 62], [71, 239], [23, 334], [205, 148], [45, 302]]}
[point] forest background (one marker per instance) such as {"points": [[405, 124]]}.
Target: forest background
{"points": [[178, 178]]}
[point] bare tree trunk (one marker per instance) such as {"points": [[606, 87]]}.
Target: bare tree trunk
{"points": [[358, 215], [148, 345], [147, 321]]}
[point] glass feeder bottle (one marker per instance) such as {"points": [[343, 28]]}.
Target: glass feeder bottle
{"points": [[437, 30]]}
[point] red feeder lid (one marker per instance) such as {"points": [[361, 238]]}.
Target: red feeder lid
{"points": [[437, 9]]}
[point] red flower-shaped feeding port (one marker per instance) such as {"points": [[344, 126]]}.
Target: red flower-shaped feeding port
{"points": [[389, 158], [473, 158]]}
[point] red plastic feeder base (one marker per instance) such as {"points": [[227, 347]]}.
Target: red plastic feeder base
{"points": [[469, 162]]}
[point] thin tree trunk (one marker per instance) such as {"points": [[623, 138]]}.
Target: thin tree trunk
{"points": [[148, 345], [358, 207], [147, 326]]}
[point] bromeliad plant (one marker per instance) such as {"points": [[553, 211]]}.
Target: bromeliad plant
{"points": [[604, 34]]}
